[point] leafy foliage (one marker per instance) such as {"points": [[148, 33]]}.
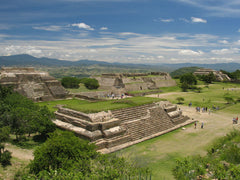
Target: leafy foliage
{"points": [[90, 83], [207, 78], [70, 82], [181, 71], [65, 156], [221, 162], [180, 99], [188, 78], [23, 116]]}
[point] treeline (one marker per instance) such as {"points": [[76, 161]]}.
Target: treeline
{"points": [[221, 162]]}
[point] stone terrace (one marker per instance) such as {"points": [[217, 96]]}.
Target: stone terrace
{"points": [[117, 129]]}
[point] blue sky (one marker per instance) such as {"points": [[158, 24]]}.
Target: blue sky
{"points": [[127, 31]]}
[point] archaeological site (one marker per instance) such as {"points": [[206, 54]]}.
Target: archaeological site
{"points": [[111, 130], [117, 129], [38, 86]]}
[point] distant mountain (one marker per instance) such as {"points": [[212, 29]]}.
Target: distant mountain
{"points": [[230, 67], [27, 60]]}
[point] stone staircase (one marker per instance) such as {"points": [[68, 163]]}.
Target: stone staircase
{"points": [[114, 130]]}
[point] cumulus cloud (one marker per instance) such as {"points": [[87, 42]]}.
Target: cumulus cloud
{"points": [[198, 20], [189, 52], [83, 26]]}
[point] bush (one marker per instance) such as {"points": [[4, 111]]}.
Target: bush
{"points": [[5, 158], [90, 83], [70, 82]]}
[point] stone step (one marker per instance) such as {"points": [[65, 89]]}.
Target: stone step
{"points": [[81, 132]]}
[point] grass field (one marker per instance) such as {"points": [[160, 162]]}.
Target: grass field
{"points": [[89, 107]]}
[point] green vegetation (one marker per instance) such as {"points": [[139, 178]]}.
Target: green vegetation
{"points": [[65, 156], [90, 83], [185, 70], [70, 82], [22, 116], [180, 99], [212, 95], [221, 162], [90, 107]]}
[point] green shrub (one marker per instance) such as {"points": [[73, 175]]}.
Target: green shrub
{"points": [[70, 82], [90, 83]]}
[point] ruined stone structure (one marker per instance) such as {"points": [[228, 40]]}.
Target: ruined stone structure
{"points": [[117, 129], [218, 74], [125, 82], [38, 86]]}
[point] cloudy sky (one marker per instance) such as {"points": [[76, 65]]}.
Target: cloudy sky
{"points": [[133, 31]]}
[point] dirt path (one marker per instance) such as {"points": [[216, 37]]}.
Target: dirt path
{"points": [[22, 154]]}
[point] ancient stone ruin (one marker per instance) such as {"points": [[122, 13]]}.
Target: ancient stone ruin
{"points": [[117, 129], [218, 74], [134, 81], [38, 86]]}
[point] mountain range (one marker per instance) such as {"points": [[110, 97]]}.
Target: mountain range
{"points": [[27, 60]]}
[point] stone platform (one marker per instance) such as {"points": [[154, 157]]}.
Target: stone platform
{"points": [[38, 86], [117, 129]]}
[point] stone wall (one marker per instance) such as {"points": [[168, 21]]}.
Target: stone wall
{"points": [[38, 86], [134, 81]]}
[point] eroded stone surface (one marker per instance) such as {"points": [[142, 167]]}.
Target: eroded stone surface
{"points": [[117, 129], [38, 86]]}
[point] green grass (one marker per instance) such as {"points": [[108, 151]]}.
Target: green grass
{"points": [[211, 95], [90, 107]]}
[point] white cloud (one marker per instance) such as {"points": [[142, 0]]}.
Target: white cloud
{"points": [[83, 26], [225, 51], [220, 8], [184, 20], [223, 41], [198, 20], [103, 28], [189, 52], [129, 47], [12, 49], [48, 28], [165, 20]]}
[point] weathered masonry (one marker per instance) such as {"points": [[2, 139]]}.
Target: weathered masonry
{"points": [[117, 129], [38, 86], [134, 81]]}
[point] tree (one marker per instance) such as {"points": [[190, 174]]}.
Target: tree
{"points": [[63, 150], [188, 78], [23, 116], [65, 156], [5, 155], [90, 83], [180, 99], [70, 82]]}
